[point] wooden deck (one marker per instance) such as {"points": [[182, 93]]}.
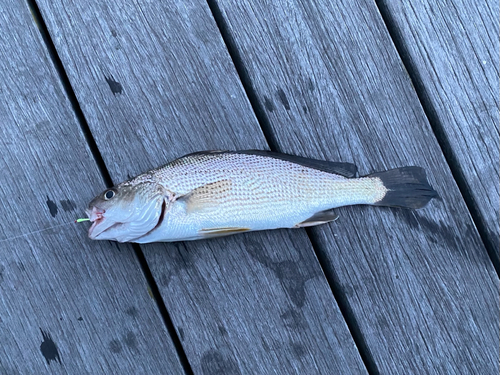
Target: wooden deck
{"points": [[94, 94]]}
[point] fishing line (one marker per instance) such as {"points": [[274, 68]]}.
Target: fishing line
{"points": [[42, 230]]}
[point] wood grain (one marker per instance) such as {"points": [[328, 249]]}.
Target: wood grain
{"points": [[65, 306], [156, 82], [419, 284], [452, 50]]}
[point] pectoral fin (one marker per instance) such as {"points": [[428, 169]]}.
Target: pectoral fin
{"points": [[318, 218], [206, 197], [223, 231]]}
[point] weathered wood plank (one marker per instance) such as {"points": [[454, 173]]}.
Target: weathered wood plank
{"points": [[420, 285], [249, 304], [65, 306], [452, 48]]}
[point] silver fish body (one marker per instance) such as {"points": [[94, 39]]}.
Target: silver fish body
{"points": [[209, 194]]}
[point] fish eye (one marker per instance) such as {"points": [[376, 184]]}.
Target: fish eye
{"points": [[109, 194]]}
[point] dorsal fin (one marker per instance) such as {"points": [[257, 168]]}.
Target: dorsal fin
{"points": [[343, 169]]}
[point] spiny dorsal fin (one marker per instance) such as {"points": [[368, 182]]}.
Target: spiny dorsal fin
{"points": [[208, 196], [344, 169]]}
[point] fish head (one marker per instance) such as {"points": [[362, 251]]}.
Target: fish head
{"points": [[127, 211]]}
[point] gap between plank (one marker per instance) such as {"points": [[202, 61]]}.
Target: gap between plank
{"points": [[35, 11], [438, 129], [167, 320], [265, 125], [42, 28], [243, 75]]}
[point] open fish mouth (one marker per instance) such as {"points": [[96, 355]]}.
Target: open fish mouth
{"points": [[99, 224], [105, 225]]}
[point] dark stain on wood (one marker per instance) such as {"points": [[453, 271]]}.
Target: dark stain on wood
{"points": [[435, 232], [130, 340], [132, 311], [165, 278], [214, 363], [310, 85], [67, 205], [293, 281], [283, 99], [115, 346], [180, 258], [2, 270], [116, 87], [222, 330], [298, 350], [52, 207], [293, 319], [268, 104], [49, 348], [287, 272]]}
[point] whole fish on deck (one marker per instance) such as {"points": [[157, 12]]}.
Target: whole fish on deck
{"points": [[209, 194]]}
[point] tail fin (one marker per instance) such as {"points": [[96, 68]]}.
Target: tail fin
{"points": [[406, 187]]}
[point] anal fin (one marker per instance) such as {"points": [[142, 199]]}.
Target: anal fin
{"points": [[222, 231], [321, 217]]}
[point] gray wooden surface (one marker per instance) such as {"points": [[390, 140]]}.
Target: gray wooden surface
{"points": [[249, 304], [419, 284], [66, 305], [453, 49], [393, 291]]}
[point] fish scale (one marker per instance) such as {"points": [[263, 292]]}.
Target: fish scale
{"points": [[269, 176], [209, 194]]}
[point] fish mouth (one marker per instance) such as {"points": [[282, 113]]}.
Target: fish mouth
{"points": [[125, 225], [99, 225]]}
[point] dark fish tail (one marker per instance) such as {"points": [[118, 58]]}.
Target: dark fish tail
{"points": [[407, 187]]}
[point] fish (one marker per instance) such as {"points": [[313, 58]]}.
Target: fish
{"points": [[217, 193]]}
